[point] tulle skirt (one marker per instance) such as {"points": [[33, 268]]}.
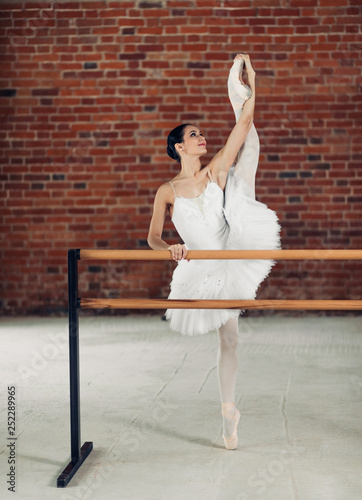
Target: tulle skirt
{"points": [[252, 226]]}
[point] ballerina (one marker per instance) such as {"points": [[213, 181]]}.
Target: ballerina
{"points": [[214, 208]]}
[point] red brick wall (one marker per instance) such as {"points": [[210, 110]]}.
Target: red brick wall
{"points": [[89, 91]]}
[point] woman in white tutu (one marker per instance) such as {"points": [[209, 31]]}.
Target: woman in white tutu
{"points": [[214, 208]]}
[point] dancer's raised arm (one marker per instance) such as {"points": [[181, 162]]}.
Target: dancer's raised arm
{"points": [[224, 159]]}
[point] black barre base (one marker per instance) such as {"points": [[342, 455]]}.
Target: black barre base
{"points": [[72, 467]]}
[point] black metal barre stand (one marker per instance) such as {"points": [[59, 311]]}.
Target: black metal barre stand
{"points": [[78, 453]]}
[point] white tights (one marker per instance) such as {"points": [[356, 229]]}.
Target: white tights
{"points": [[227, 364]]}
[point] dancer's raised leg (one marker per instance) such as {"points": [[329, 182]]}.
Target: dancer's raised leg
{"points": [[246, 163]]}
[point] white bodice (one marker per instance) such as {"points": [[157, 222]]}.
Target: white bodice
{"points": [[200, 221]]}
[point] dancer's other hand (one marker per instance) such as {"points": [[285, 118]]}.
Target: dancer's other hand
{"points": [[178, 251]]}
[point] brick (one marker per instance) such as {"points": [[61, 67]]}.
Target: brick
{"points": [[8, 92], [150, 5], [45, 91]]}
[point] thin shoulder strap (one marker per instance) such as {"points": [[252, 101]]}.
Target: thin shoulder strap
{"points": [[209, 175], [173, 189]]}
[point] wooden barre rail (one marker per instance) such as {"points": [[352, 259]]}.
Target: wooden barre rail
{"points": [[295, 254], [220, 304]]}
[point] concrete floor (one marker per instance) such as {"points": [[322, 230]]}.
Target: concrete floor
{"points": [[150, 404]]}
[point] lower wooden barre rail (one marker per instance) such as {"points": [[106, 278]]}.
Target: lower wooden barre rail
{"points": [[220, 304], [295, 254]]}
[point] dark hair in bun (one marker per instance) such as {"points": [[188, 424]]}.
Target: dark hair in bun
{"points": [[175, 137]]}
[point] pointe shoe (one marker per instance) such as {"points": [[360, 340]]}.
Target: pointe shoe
{"points": [[238, 91], [231, 443]]}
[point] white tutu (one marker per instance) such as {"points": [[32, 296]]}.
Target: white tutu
{"points": [[250, 226]]}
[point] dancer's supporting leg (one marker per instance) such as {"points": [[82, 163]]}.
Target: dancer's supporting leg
{"points": [[227, 364]]}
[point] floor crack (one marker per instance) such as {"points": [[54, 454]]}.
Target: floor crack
{"points": [[206, 378], [164, 386], [283, 409], [293, 486]]}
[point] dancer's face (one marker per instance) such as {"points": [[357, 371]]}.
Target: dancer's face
{"points": [[194, 142]]}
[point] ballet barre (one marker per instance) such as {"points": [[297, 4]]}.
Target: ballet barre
{"points": [[75, 303], [285, 305], [295, 254]]}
